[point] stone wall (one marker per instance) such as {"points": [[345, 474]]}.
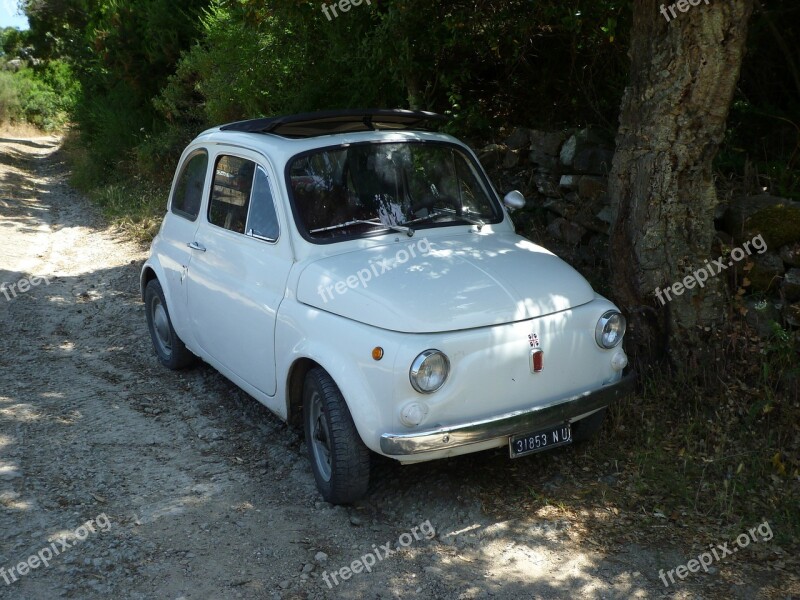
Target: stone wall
{"points": [[565, 173]]}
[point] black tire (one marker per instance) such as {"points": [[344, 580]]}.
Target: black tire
{"points": [[339, 459], [169, 348], [588, 427]]}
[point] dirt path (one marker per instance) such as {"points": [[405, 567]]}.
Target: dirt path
{"points": [[195, 490]]}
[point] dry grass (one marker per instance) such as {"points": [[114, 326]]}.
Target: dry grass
{"points": [[21, 131]]}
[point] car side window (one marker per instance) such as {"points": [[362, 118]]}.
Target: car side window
{"points": [[188, 194], [263, 221], [230, 194]]}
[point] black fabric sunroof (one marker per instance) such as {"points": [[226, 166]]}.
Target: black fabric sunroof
{"points": [[338, 121]]}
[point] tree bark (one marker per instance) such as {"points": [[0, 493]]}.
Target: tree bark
{"points": [[683, 76]]}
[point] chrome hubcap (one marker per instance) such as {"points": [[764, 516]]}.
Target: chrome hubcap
{"points": [[161, 327]]}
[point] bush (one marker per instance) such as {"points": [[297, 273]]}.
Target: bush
{"points": [[482, 64], [110, 125], [43, 98], [9, 98], [239, 70], [58, 75], [39, 103], [156, 156]]}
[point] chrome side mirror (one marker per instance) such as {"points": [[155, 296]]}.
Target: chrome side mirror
{"points": [[514, 200]]}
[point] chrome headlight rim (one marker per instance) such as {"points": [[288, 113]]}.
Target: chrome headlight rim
{"points": [[619, 325], [417, 366]]}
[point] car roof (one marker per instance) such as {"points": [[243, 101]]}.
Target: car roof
{"points": [[338, 121], [281, 149]]}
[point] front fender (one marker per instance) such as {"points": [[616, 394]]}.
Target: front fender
{"points": [[344, 349], [151, 266]]}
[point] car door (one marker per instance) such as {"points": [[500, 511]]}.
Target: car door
{"points": [[178, 231], [239, 268]]}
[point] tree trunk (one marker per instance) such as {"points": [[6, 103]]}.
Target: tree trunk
{"points": [[683, 76]]}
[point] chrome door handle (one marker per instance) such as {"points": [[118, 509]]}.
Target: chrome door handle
{"points": [[196, 246]]}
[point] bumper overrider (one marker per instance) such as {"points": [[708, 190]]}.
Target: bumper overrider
{"points": [[517, 422]]}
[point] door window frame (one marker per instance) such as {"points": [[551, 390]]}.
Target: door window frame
{"points": [[259, 164]]}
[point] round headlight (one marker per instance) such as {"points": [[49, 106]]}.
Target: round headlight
{"points": [[429, 371], [610, 329]]}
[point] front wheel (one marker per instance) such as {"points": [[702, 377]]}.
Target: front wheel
{"points": [[170, 349], [339, 459]]}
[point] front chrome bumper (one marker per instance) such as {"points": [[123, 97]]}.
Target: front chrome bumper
{"points": [[521, 421]]}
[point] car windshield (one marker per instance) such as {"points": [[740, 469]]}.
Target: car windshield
{"points": [[372, 188]]}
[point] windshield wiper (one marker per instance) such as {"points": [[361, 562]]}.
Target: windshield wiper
{"points": [[473, 220], [444, 212], [399, 228]]}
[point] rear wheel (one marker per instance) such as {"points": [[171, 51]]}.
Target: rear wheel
{"points": [[171, 351], [588, 427], [339, 459]]}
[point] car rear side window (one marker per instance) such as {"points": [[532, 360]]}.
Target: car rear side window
{"points": [[230, 194], [263, 222], [188, 194]]}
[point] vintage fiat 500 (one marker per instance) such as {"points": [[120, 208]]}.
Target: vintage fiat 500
{"points": [[358, 274]]}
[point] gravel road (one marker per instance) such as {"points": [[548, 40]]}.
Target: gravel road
{"points": [[145, 483]]}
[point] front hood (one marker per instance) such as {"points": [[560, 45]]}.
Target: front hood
{"points": [[447, 284]]}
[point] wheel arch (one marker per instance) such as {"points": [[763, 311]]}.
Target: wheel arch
{"points": [[294, 389], [364, 409], [150, 271], [147, 275]]}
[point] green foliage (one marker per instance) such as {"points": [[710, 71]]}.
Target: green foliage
{"points": [[256, 61], [219, 80], [515, 61], [59, 76], [477, 61], [39, 103], [12, 40], [123, 51], [156, 155], [43, 98], [9, 98]]}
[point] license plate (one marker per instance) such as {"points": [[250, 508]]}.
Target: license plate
{"points": [[520, 445]]}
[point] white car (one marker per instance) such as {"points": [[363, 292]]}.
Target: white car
{"points": [[358, 274]]}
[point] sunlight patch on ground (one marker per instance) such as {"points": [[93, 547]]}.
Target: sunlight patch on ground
{"points": [[24, 413], [10, 500], [199, 494]]}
